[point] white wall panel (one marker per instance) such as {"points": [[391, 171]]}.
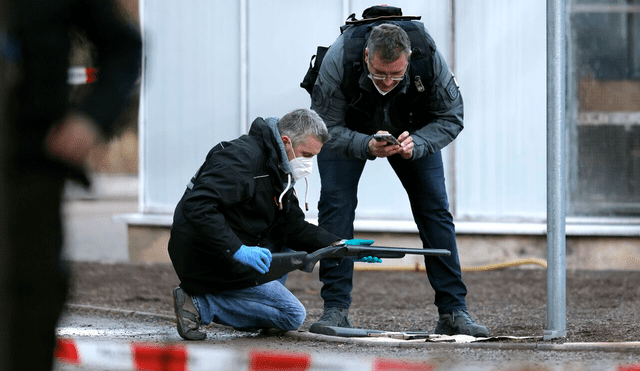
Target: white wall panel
{"points": [[191, 94], [501, 68], [282, 37]]}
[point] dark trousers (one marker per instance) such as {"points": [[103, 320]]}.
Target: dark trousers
{"points": [[36, 282], [423, 180]]}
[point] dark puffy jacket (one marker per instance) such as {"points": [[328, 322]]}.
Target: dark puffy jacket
{"points": [[234, 201]]}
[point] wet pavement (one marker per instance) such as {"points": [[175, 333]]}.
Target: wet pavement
{"points": [[107, 339]]}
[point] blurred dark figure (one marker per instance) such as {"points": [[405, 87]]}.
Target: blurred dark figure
{"points": [[47, 141]]}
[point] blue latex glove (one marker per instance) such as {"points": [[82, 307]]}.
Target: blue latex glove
{"points": [[255, 257], [370, 259], [359, 242]]}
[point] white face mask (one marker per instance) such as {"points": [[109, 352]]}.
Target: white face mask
{"points": [[301, 167], [380, 90]]}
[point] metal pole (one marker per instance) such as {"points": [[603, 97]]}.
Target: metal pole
{"points": [[452, 191], [244, 67], [556, 170]]}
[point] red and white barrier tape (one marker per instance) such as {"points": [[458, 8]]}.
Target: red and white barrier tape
{"points": [[81, 75], [194, 357], [179, 357]]}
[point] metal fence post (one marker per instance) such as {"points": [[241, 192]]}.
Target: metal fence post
{"points": [[556, 170]]}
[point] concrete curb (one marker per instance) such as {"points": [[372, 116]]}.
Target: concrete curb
{"points": [[622, 347]]}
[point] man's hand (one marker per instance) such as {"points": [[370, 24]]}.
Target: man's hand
{"points": [[406, 145], [384, 149], [255, 257], [72, 140]]}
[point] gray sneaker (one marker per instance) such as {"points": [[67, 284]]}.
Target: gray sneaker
{"points": [[460, 323], [335, 317], [187, 316]]}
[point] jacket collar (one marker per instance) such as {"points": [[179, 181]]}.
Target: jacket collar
{"points": [[267, 129]]}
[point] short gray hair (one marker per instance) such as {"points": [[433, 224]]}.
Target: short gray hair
{"points": [[300, 123], [389, 41]]}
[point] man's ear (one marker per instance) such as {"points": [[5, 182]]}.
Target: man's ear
{"points": [[366, 55], [290, 153]]}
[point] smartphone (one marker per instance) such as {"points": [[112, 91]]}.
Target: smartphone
{"points": [[389, 138]]}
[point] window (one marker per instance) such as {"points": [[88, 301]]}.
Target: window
{"points": [[604, 108]]}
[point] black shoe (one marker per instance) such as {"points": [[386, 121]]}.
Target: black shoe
{"points": [[187, 321], [460, 323], [334, 317]]}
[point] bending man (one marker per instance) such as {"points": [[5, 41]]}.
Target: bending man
{"points": [[412, 94]]}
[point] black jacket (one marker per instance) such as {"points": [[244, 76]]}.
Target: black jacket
{"points": [[234, 201], [40, 38]]}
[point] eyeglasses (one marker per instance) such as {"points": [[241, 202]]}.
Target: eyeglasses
{"points": [[384, 77]]}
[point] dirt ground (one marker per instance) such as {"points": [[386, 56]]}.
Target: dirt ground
{"points": [[601, 305]]}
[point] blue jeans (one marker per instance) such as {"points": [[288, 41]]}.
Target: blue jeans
{"points": [[270, 305], [423, 180]]}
